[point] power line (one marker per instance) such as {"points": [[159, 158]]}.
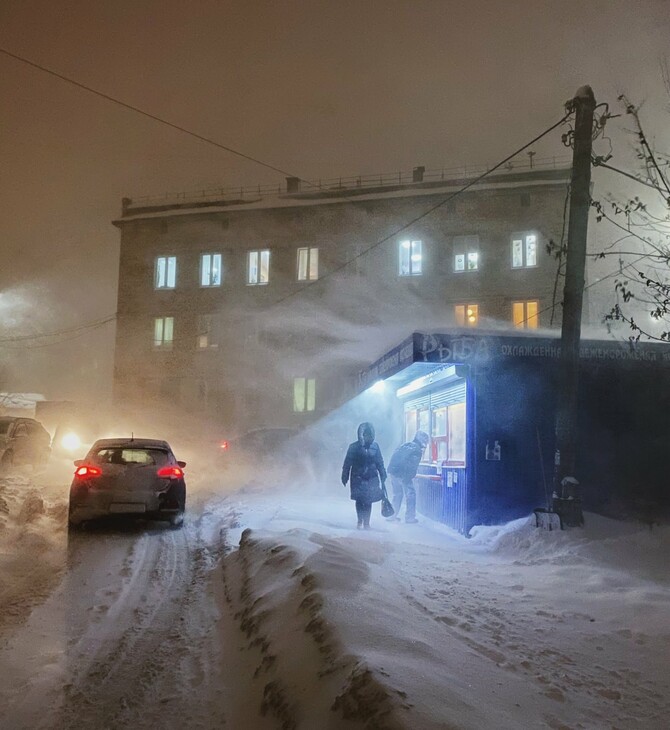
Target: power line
{"points": [[149, 115], [430, 210], [76, 331], [628, 175]]}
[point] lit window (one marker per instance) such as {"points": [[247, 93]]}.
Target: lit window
{"points": [[466, 315], [466, 253], [165, 275], [525, 315], [258, 271], [205, 337], [524, 250], [410, 258], [210, 269], [304, 394], [447, 440], [163, 332], [308, 264]]}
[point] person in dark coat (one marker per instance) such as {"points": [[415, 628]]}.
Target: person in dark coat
{"points": [[364, 469], [402, 470]]}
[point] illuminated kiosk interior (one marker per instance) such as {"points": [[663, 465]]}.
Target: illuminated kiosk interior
{"points": [[488, 400]]}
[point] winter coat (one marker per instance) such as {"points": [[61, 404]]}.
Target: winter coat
{"points": [[405, 461], [363, 466]]}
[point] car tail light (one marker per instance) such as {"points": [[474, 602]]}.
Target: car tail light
{"points": [[224, 446], [85, 471], [171, 472]]}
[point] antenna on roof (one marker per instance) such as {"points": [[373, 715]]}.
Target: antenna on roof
{"points": [[132, 435]]}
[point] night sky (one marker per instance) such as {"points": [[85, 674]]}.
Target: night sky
{"points": [[318, 89]]}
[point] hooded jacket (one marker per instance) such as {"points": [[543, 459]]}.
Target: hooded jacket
{"points": [[363, 466]]}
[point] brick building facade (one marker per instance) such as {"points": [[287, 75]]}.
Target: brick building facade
{"points": [[260, 309]]}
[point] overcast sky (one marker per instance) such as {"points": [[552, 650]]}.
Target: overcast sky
{"points": [[318, 88]]}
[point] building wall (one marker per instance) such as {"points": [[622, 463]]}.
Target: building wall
{"points": [[265, 335]]}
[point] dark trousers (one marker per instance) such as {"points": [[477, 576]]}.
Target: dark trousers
{"points": [[404, 488], [363, 511]]}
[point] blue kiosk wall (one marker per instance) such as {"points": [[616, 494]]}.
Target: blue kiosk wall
{"points": [[510, 396]]}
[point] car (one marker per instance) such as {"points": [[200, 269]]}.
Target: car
{"points": [[23, 441], [283, 452], [128, 477]]}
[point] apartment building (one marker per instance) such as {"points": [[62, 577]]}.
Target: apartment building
{"points": [[260, 306]]}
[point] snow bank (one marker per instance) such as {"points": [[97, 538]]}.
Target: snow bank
{"points": [[32, 545], [415, 626]]}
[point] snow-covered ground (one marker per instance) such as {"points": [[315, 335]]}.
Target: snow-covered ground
{"points": [[267, 610]]}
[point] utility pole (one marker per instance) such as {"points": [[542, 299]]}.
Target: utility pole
{"points": [[567, 494]]}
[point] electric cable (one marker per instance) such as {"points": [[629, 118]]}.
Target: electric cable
{"points": [[427, 212], [149, 115], [45, 335]]}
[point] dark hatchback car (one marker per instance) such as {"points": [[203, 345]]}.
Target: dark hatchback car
{"points": [[133, 477], [23, 441]]}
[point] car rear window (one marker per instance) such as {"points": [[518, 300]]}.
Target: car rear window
{"points": [[4, 426], [141, 457]]}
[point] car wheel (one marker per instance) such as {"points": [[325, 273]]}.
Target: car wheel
{"points": [[177, 521]]}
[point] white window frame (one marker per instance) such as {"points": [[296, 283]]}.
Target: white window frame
{"points": [[410, 257], [304, 395], [165, 272], [257, 261], [466, 254], [308, 264], [522, 246], [211, 271], [163, 333], [527, 321]]}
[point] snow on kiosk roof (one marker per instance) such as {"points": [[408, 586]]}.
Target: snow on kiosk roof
{"points": [[488, 402]]}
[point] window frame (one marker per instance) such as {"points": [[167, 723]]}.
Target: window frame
{"points": [[166, 274], [307, 402], [259, 254], [465, 246], [525, 323], [523, 237], [206, 332], [163, 343], [407, 245], [213, 255], [311, 263], [466, 307]]}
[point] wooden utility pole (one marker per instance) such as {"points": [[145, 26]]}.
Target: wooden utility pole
{"points": [[567, 494]]}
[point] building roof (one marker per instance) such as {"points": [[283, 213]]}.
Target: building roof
{"points": [[342, 191]]}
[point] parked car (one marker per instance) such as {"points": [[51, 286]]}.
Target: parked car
{"points": [[128, 477], [23, 441], [280, 452]]}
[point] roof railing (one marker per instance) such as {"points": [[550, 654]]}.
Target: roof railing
{"points": [[417, 176]]}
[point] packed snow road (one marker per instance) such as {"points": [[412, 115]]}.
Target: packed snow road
{"points": [[126, 636], [267, 610]]}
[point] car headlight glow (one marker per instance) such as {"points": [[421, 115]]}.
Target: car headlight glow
{"points": [[70, 441]]}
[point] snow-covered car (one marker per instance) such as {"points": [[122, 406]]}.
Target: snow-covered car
{"points": [[23, 441], [128, 477]]}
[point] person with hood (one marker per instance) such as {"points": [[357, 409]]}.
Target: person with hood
{"points": [[402, 470], [364, 469]]}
